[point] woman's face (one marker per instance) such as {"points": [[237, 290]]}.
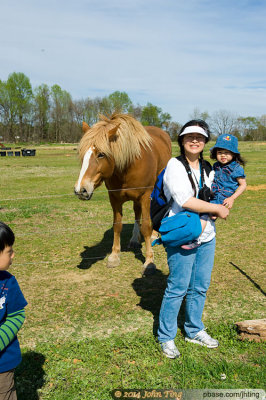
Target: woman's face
{"points": [[194, 143]]}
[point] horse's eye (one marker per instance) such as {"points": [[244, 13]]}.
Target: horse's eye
{"points": [[100, 155]]}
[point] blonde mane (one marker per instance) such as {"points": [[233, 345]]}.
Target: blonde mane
{"points": [[125, 147]]}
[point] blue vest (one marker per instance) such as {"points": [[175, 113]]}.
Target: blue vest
{"points": [[225, 179]]}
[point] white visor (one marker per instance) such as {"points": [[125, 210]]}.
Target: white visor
{"points": [[194, 129]]}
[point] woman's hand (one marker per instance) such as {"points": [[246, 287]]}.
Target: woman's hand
{"points": [[222, 211]]}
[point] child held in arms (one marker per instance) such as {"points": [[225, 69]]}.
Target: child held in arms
{"points": [[12, 315], [229, 177]]}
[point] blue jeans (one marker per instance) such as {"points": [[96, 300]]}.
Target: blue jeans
{"points": [[190, 276]]}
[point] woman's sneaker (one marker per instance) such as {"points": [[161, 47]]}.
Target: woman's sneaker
{"points": [[203, 339], [169, 349]]}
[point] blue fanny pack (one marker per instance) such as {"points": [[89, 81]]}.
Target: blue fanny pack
{"points": [[179, 229]]}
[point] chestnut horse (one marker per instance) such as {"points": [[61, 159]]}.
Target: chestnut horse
{"points": [[128, 158]]}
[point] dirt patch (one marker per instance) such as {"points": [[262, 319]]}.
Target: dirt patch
{"points": [[258, 187], [5, 210]]}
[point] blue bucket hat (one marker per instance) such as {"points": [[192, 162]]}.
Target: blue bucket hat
{"points": [[227, 142]]}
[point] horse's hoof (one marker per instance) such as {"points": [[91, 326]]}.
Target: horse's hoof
{"points": [[149, 269], [113, 262]]}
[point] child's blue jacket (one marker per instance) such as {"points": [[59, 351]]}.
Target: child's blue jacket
{"points": [[225, 178], [11, 300]]}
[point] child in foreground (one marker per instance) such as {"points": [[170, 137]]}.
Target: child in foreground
{"points": [[12, 316], [229, 178]]}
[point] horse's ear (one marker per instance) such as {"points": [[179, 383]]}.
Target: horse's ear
{"points": [[112, 132], [85, 127]]}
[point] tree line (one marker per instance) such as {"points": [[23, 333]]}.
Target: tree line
{"points": [[49, 114]]}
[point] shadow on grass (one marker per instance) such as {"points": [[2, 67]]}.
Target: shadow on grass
{"points": [[256, 285], [29, 376], [91, 255], [151, 291]]}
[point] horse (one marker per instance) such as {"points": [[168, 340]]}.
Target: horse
{"points": [[127, 157]]}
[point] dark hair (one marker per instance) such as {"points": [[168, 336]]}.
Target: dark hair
{"points": [[202, 124], [7, 237], [236, 157], [198, 122]]}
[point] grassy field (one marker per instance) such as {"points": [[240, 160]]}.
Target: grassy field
{"points": [[90, 329]]}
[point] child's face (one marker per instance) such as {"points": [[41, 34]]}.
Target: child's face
{"points": [[6, 258], [224, 156]]}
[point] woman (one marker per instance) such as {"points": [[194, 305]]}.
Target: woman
{"points": [[189, 270]]}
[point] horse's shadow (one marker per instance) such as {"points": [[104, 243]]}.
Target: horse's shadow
{"points": [[29, 376], [151, 290], [91, 255]]}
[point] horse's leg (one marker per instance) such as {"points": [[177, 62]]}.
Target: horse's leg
{"points": [[136, 237], [114, 258], [149, 267]]}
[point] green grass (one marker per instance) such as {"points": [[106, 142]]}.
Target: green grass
{"points": [[87, 369], [90, 329]]}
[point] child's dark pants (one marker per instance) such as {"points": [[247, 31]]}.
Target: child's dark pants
{"points": [[7, 386]]}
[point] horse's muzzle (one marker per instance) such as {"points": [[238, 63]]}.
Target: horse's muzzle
{"points": [[83, 194]]}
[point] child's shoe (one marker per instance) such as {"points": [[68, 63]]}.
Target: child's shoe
{"points": [[191, 245]]}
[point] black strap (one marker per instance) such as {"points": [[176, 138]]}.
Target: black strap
{"points": [[181, 159], [205, 166], [189, 172]]}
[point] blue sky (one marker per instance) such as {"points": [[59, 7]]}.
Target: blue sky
{"points": [[178, 55]]}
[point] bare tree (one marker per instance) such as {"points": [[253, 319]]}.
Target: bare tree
{"points": [[197, 114], [79, 111], [223, 121], [136, 111], [173, 130]]}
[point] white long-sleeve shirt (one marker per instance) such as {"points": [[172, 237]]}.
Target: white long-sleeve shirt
{"points": [[177, 185]]}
